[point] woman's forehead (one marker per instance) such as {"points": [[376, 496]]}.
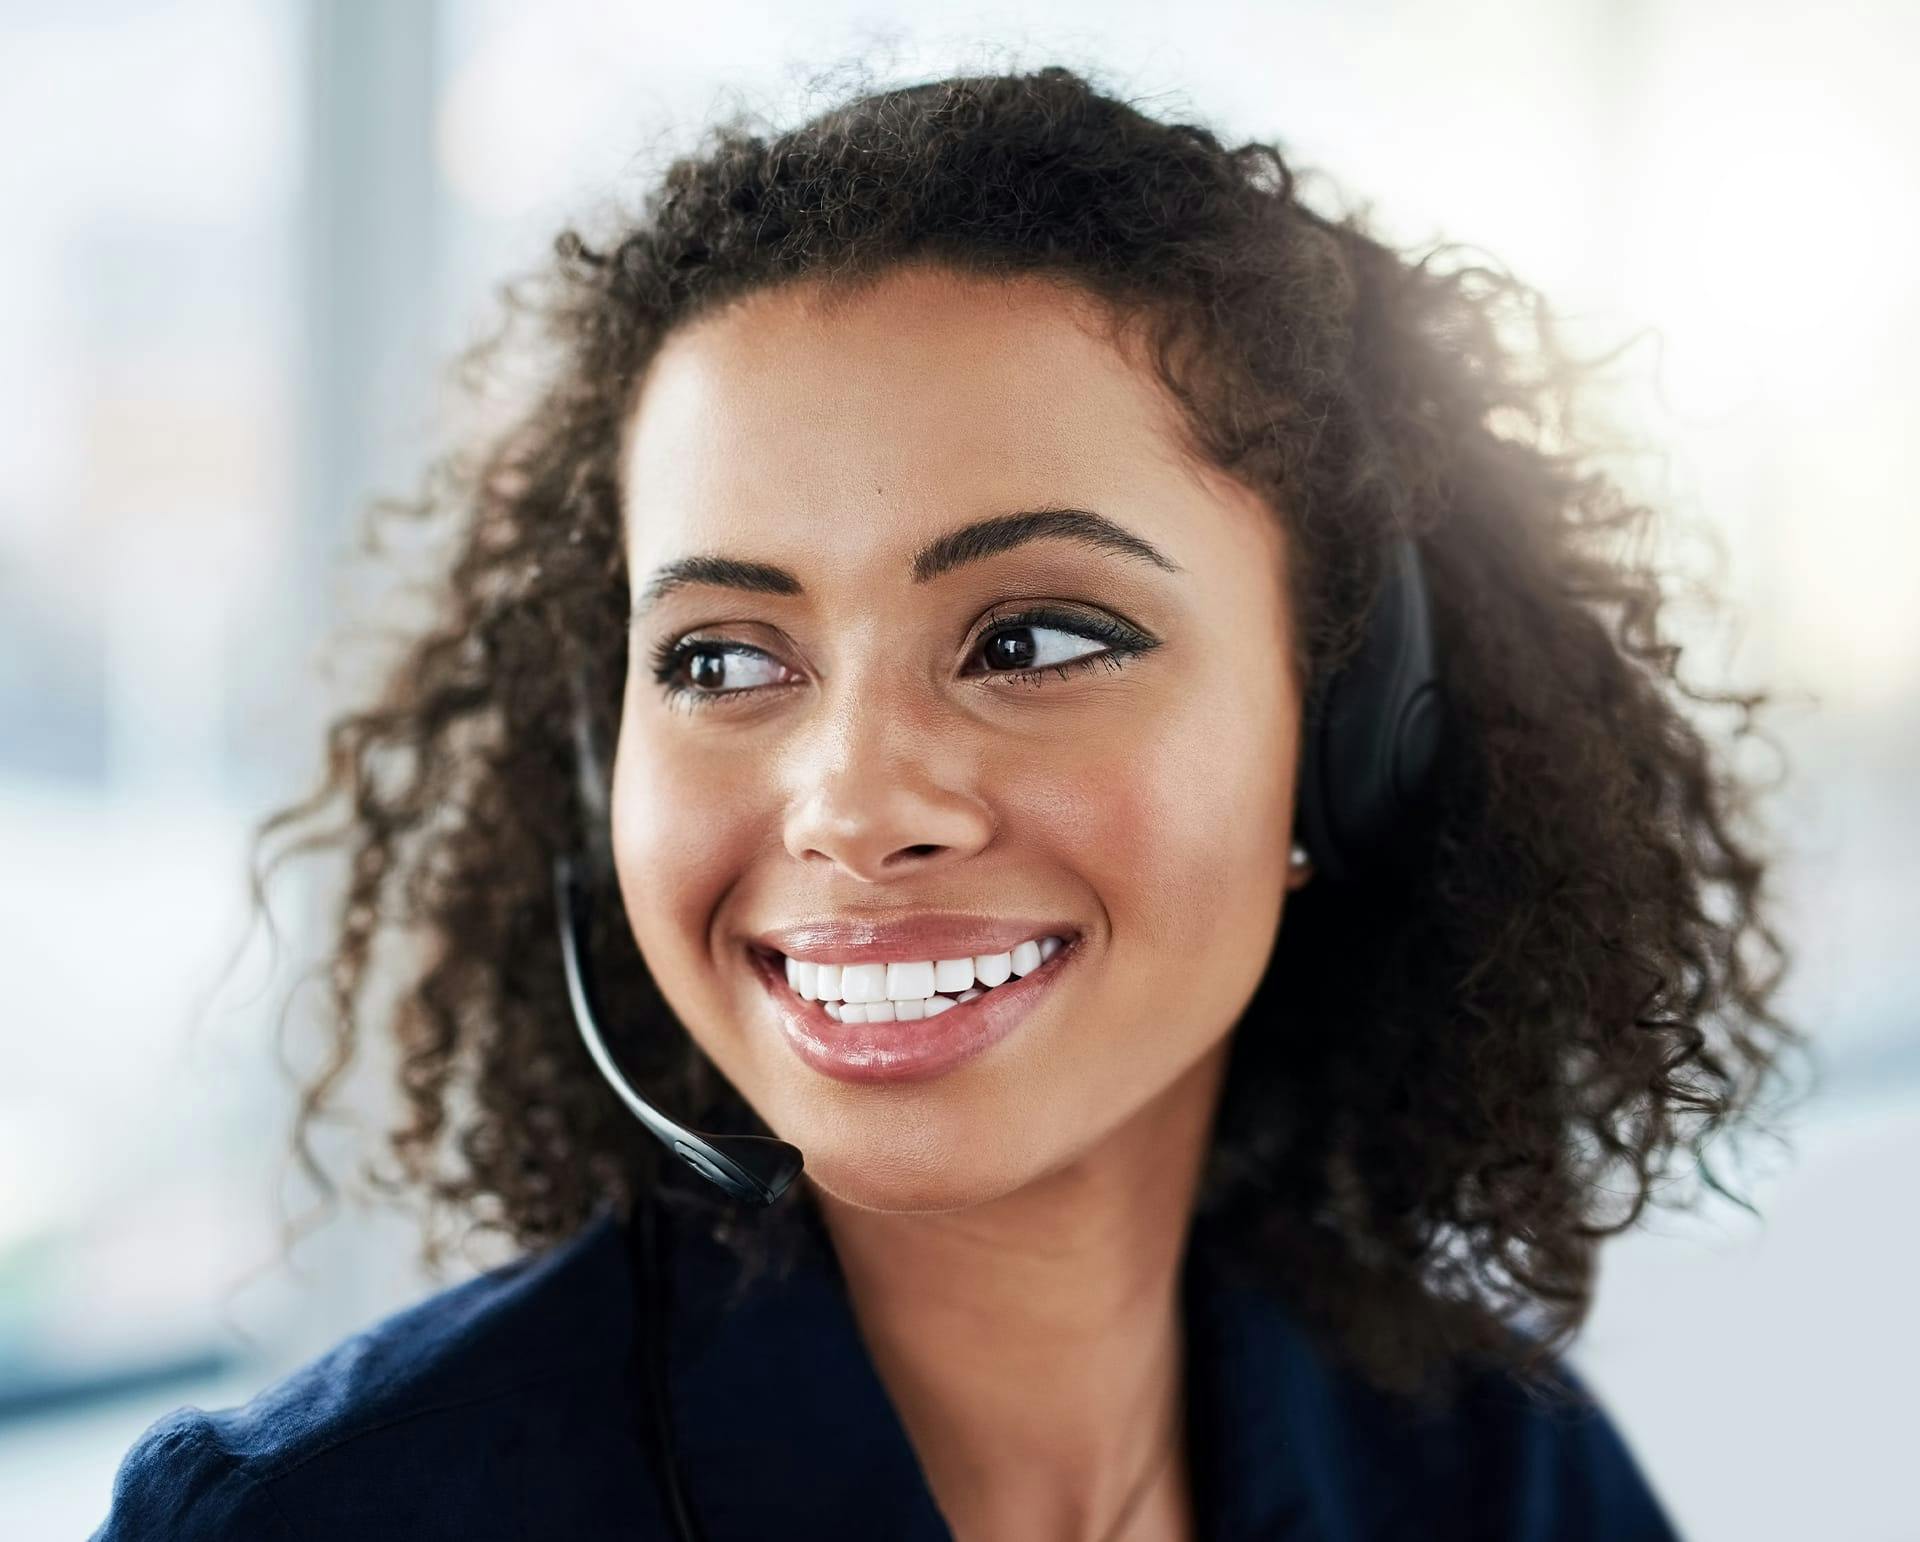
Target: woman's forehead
{"points": [[928, 397]]}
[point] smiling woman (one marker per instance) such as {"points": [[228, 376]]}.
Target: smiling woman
{"points": [[970, 517]]}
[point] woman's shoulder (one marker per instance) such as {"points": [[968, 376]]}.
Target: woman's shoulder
{"points": [[469, 1413], [1300, 1437], [1546, 1455], [1507, 1459], [177, 1480]]}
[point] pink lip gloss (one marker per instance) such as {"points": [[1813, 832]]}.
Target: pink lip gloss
{"points": [[927, 1047]]}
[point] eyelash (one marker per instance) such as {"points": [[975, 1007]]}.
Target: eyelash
{"points": [[1123, 643]]}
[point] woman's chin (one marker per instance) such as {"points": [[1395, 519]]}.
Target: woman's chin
{"points": [[921, 1184]]}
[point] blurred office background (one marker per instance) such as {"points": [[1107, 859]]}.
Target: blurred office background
{"points": [[243, 239]]}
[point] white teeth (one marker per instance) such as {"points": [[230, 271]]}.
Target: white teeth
{"points": [[952, 974], [914, 982], [894, 992], [992, 968], [864, 982]]}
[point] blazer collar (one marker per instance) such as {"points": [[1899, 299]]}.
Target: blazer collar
{"points": [[781, 1418]]}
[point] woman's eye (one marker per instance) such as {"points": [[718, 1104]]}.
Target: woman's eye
{"points": [[704, 669], [698, 671], [1036, 643], [1030, 648]]}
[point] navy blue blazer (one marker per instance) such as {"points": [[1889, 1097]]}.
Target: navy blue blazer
{"points": [[515, 1406]]}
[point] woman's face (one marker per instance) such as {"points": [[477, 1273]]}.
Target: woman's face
{"points": [[854, 746]]}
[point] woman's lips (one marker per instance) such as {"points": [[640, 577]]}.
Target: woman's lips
{"points": [[879, 1052]]}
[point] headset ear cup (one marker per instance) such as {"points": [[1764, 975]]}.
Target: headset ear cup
{"points": [[1417, 744], [1371, 735], [1311, 827]]}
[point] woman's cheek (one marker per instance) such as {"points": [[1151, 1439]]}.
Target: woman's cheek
{"points": [[1185, 831], [1196, 844], [680, 839]]}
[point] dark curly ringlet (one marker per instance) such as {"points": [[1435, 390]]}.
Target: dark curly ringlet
{"points": [[1451, 1085]]}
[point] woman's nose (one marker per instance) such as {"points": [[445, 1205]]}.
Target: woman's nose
{"points": [[885, 782]]}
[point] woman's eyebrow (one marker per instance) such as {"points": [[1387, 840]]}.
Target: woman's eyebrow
{"points": [[973, 542]]}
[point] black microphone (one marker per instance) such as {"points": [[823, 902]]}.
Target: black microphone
{"points": [[756, 1168]]}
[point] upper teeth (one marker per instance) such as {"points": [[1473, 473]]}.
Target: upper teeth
{"points": [[918, 980]]}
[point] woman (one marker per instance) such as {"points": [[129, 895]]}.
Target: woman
{"points": [[1144, 755]]}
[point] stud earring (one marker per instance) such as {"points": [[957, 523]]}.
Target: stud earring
{"points": [[1299, 857]]}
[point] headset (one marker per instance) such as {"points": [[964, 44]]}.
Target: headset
{"points": [[1371, 735]]}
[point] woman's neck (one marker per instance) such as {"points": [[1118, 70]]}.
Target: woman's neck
{"points": [[1034, 1346]]}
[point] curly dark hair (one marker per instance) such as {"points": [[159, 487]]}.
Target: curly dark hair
{"points": [[1490, 1064]]}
